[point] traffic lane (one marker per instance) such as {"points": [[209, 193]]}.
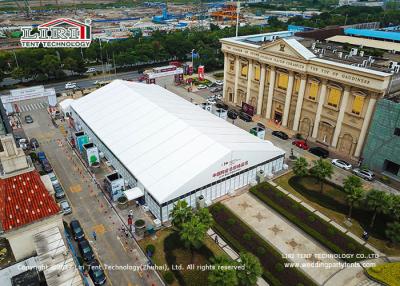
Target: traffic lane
{"points": [[89, 207]]}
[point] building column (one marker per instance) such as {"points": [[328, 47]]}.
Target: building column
{"points": [[261, 89], [299, 103], [237, 72], [321, 101], [339, 120], [270, 92], [226, 67], [249, 79], [365, 125], [288, 99]]}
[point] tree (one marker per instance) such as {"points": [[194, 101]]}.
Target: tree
{"points": [[353, 197], [394, 206], [300, 167], [50, 65], [377, 202], [393, 232], [222, 276], [350, 183], [321, 170], [180, 214], [252, 269], [205, 217], [192, 234]]}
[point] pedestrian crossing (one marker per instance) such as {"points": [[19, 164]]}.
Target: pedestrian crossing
{"points": [[32, 106]]}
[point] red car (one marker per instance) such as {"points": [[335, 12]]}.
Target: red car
{"points": [[301, 144]]}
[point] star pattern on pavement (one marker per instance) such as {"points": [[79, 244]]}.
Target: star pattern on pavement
{"points": [[313, 259], [292, 243], [259, 217], [244, 205], [275, 229]]}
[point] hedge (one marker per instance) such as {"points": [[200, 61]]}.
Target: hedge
{"points": [[321, 230], [270, 258]]}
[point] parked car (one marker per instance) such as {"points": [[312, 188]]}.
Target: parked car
{"points": [[216, 89], [319, 151], [59, 192], [34, 143], [341, 164], [364, 173], [65, 207], [28, 119], [46, 166], [280, 134], [70, 85], [259, 124], [213, 84], [97, 273], [222, 105], [218, 96], [219, 82], [91, 70], [232, 114], [245, 117], [86, 250], [211, 101], [301, 144], [41, 156], [201, 86], [24, 144], [53, 177], [76, 229]]}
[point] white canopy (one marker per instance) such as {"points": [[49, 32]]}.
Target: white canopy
{"points": [[134, 193], [168, 144], [65, 105]]}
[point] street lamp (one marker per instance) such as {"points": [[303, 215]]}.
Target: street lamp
{"points": [[192, 58]]}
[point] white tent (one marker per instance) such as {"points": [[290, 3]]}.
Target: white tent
{"points": [[134, 193], [65, 105]]}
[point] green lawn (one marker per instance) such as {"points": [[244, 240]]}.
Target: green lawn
{"points": [[175, 253], [332, 203], [388, 273]]}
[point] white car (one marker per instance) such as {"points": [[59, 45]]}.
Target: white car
{"points": [[364, 173], [219, 82], [70, 85], [211, 101], [201, 86], [341, 164], [91, 70]]}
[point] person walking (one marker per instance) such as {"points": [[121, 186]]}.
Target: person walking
{"points": [[94, 235]]}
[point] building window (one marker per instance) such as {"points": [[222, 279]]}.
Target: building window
{"points": [[231, 65], [297, 85], [283, 81], [358, 104], [257, 72], [397, 131], [334, 96], [244, 70], [391, 167], [313, 90]]}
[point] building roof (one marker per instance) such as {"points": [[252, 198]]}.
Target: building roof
{"points": [[385, 35], [169, 144], [23, 200], [376, 44]]}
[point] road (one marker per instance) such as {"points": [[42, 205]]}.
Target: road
{"points": [[90, 206]]}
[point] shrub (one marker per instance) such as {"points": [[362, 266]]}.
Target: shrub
{"points": [[231, 221], [122, 200], [279, 267], [140, 223], [311, 218], [351, 246], [261, 251], [218, 75], [331, 231], [247, 236], [169, 277], [150, 248]]}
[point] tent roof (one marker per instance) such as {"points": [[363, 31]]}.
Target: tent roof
{"points": [[166, 142], [134, 193]]}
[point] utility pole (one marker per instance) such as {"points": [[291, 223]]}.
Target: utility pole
{"points": [[237, 17], [101, 56]]}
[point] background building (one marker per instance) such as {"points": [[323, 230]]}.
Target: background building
{"points": [[326, 92], [170, 148], [382, 149]]}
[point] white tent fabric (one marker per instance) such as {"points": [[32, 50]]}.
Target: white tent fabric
{"points": [[65, 105], [134, 193], [170, 145]]}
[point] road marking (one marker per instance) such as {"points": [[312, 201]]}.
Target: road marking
{"points": [[120, 241], [76, 188], [99, 229]]}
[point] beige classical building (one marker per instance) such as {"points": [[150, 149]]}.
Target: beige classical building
{"points": [[313, 88]]}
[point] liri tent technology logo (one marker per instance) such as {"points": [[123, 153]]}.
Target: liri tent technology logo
{"points": [[60, 33]]}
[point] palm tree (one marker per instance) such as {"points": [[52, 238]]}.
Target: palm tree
{"points": [[180, 214], [224, 276], [377, 202], [192, 234], [351, 182], [300, 167], [353, 197], [252, 269], [394, 206], [205, 217], [321, 170], [393, 231]]}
